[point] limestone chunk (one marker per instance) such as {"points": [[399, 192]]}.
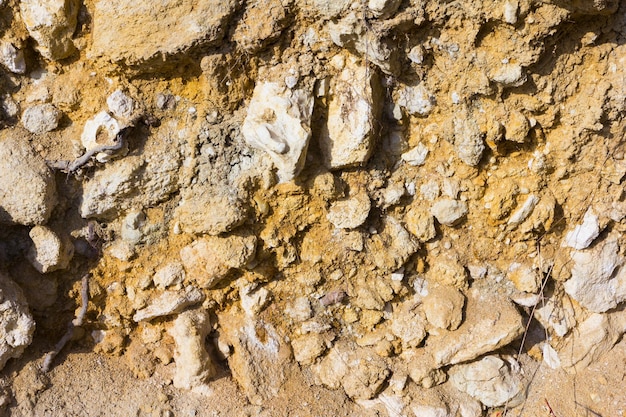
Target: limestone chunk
{"points": [[584, 234], [416, 156], [98, 131], [383, 9], [169, 302], [417, 100], [598, 280], [48, 253], [491, 381], [517, 127], [408, 325], [593, 337], [16, 324], [194, 366], [347, 139], [19, 164], [259, 356], [358, 370], [128, 33], [556, 314], [350, 213], [136, 180], [449, 212], [121, 105], [443, 307], [509, 75], [51, 23], [210, 259], [168, 275], [278, 123], [524, 277], [524, 211], [308, 347], [41, 118], [12, 58], [468, 140]]}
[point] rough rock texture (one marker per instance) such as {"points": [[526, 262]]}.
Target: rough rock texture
{"points": [[142, 33], [51, 23], [19, 164], [312, 207], [16, 324]]}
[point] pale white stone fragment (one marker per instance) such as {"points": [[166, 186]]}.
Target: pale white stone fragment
{"points": [[350, 213], [523, 212], [48, 253], [584, 234], [194, 366], [417, 100], [490, 381], [12, 58], [41, 118], [120, 105], [416, 156], [449, 212], [169, 302], [100, 130], [278, 123]]}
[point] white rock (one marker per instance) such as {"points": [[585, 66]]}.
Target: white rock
{"points": [[524, 211], [300, 309], [347, 139], [584, 234], [509, 11], [48, 253], [194, 366], [210, 259], [550, 356], [169, 302], [449, 212], [509, 75], [598, 280], [407, 324], [383, 9], [557, 313], [19, 164], [593, 337], [416, 156], [120, 105], [417, 100], [392, 247], [490, 381], [429, 411], [359, 370], [12, 58], [350, 213], [416, 54], [16, 324], [278, 122], [51, 23], [41, 118], [132, 226], [100, 130], [171, 274], [430, 190], [253, 299]]}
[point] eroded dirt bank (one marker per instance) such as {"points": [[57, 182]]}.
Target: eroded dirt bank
{"points": [[394, 208]]}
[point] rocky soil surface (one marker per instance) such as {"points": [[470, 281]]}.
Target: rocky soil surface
{"points": [[312, 208]]}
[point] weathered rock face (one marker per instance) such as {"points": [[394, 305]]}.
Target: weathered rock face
{"points": [[20, 165], [51, 23], [349, 135], [144, 33], [16, 324], [369, 196]]}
